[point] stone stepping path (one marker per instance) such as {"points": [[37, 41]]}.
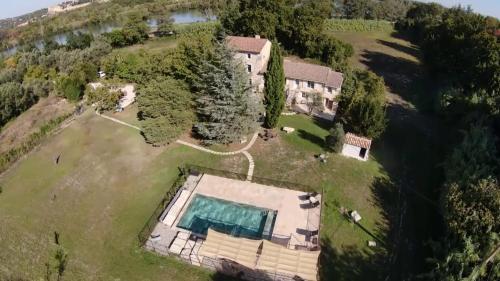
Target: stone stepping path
{"points": [[118, 121]]}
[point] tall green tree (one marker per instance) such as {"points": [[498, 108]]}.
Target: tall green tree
{"points": [[474, 158], [102, 97], [362, 104], [165, 105], [79, 40], [13, 101], [227, 109], [297, 25], [274, 87]]}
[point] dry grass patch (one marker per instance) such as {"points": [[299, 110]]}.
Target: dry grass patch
{"points": [[18, 130]]}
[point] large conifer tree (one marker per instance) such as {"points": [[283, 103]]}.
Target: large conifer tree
{"points": [[227, 109], [274, 87]]}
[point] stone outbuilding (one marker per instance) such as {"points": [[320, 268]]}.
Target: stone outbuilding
{"points": [[356, 147]]}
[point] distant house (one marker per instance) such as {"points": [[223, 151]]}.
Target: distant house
{"points": [[254, 52], [305, 78], [356, 147]]}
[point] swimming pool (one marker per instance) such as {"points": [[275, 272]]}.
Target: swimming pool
{"points": [[228, 217]]}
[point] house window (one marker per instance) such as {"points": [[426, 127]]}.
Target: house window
{"points": [[297, 82], [249, 68], [250, 82], [249, 55], [304, 95], [330, 90], [310, 84]]}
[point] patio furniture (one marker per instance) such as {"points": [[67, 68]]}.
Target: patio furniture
{"points": [[313, 201]]}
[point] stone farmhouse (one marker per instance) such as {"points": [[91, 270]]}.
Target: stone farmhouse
{"points": [[302, 78], [254, 52]]}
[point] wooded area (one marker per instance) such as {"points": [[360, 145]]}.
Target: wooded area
{"points": [[462, 54]]}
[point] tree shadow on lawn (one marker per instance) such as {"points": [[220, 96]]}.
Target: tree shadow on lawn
{"points": [[410, 50], [402, 76], [410, 151], [365, 263], [398, 73], [350, 263], [311, 137], [323, 123]]}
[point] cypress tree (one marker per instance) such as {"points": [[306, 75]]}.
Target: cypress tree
{"points": [[274, 87]]}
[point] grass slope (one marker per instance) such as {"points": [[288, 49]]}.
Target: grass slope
{"points": [[106, 186]]}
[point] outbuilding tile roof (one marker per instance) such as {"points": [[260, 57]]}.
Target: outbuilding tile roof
{"points": [[362, 142], [313, 72], [246, 44]]}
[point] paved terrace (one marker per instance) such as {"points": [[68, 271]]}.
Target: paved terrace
{"points": [[293, 215]]}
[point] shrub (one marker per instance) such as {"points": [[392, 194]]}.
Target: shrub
{"points": [[103, 98], [335, 140], [70, 87]]}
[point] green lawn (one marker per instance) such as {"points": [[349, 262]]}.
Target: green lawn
{"points": [[104, 189], [152, 45], [129, 115]]}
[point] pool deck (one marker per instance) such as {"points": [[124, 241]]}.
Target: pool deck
{"points": [[293, 217]]}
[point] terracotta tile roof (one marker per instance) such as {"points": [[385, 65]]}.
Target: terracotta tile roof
{"points": [[352, 139], [313, 72], [246, 44]]}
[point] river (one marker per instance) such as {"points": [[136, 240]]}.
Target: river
{"points": [[179, 17]]}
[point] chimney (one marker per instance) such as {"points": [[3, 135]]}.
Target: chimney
{"points": [[257, 36]]}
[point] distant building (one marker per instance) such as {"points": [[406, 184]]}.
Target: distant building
{"points": [[356, 147], [71, 5]]}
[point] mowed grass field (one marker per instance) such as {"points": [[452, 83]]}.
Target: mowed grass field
{"points": [[99, 196]]}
